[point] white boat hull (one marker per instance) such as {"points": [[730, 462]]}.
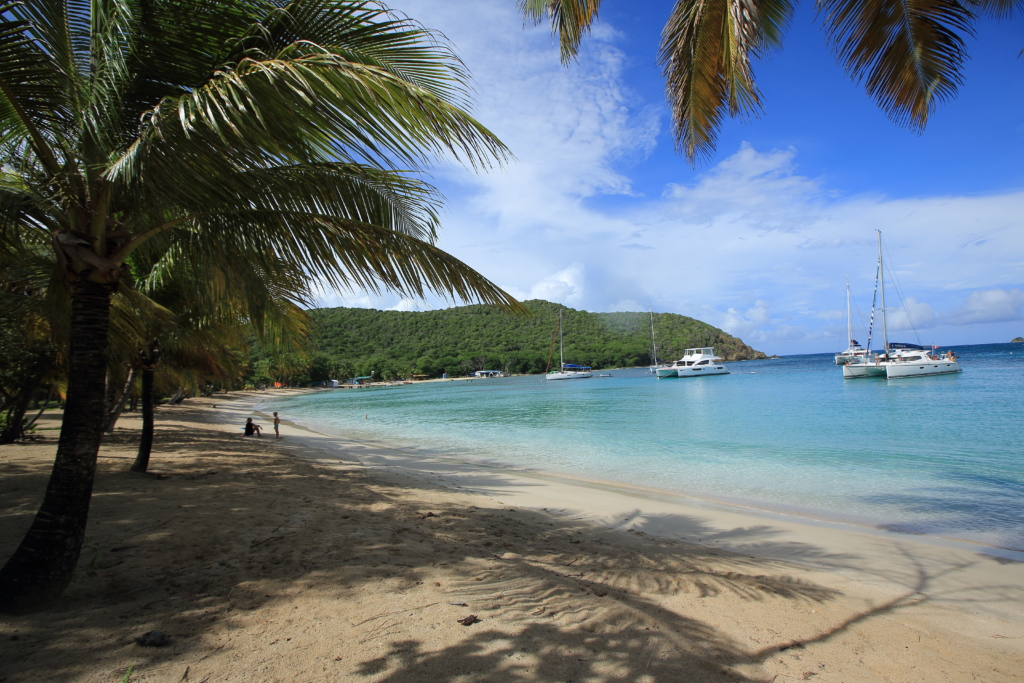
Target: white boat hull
{"points": [[567, 375], [699, 372], [921, 368], [861, 370]]}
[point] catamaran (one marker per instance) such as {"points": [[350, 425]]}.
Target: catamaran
{"points": [[854, 352], [899, 360], [694, 363], [568, 370]]}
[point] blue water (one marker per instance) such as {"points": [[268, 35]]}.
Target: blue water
{"points": [[932, 455]]}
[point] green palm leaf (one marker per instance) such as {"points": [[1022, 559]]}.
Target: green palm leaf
{"points": [[908, 54]]}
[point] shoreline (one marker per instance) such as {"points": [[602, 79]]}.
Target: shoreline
{"points": [[777, 494], [319, 560], [753, 508], [863, 553]]}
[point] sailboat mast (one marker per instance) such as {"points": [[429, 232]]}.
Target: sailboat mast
{"points": [[561, 359], [654, 347], [881, 279], [849, 317]]}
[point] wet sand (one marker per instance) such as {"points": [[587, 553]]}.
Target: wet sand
{"points": [[313, 558]]}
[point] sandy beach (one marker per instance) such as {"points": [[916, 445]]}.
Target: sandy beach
{"points": [[315, 558]]}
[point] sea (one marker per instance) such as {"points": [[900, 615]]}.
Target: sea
{"points": [[940, 456]]}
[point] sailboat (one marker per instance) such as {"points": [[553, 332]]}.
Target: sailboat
{"points": [[899, 360], [654, 347], [854, 351], [568, 370]]}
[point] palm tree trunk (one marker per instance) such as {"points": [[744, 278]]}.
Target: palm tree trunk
{"points": [[118, 408], [14, 428], [146, 442], [44, 563]]}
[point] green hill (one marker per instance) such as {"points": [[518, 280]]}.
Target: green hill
{"points": [[460, 340]]}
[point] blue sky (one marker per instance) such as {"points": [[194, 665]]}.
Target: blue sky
{"points": [[599, 213]]}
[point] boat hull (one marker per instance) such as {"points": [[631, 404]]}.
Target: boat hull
{"points": [[666, 372], [552, 376], [700, 372], [921, 369], [860, 371]]}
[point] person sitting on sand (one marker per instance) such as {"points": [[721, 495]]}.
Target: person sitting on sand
{"points": [[251, 427]]}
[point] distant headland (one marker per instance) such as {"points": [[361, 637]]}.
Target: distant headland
{"points": [[457, 341], [1017, 340]]}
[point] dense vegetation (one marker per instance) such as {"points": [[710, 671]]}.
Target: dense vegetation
{"points": [[354, 341]]}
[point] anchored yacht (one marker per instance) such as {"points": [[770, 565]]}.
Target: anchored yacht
{"points": [[694, 363], [854, 352], [568, 370], [899, 360]]}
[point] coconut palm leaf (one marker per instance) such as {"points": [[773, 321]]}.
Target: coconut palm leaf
{"points": [[570, 20], [706, 52], [908, 55]]}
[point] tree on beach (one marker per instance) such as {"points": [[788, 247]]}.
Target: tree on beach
{"points": [[908, 55], [198, 320], [259, 131]]}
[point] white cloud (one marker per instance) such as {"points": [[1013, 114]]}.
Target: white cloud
{"points": [[625, 306], [913, 315], [566, 286], [991, 305], [406, 305]]}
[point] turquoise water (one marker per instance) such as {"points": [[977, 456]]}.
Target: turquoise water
{"points": [[932, 455]]}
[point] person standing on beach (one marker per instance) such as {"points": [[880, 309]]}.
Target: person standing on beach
{"points": [[277, 426]]}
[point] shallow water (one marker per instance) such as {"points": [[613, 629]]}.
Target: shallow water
{"points": [[931, 455]]}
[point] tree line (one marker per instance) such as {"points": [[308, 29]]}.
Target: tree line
{"points": [[352, 342]]}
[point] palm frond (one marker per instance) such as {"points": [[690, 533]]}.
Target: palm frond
{"points": [[908, 54], [570, 20], [706, 51]]}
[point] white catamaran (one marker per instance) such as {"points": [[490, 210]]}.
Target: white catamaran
{"points": [[568, 371], [694, 363], [899, 360]]}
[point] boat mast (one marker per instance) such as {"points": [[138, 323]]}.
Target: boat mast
{"points": [[654, 347], [561, 359], [849, 318], [881, 279]]}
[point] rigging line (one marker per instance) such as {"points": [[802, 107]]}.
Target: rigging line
{"points": [[899, 293]]}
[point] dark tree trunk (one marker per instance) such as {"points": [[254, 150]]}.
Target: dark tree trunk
{"points": [[14, 428], [146, 442], [44, 563], [116, 411]]}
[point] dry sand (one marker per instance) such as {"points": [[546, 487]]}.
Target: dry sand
{"points": [[316, 559]]}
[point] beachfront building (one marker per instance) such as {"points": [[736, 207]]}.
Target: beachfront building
{"points": [[489, 373]]}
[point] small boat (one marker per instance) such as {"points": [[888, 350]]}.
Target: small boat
{"points": [[568, 371], [854, 351], [694, 363]]}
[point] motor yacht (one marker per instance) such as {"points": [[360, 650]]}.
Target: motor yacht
{"points": [[694, 363]]}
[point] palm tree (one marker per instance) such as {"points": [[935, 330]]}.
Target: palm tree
{"points": [[196, 322], [256, 130], [908, 55]]}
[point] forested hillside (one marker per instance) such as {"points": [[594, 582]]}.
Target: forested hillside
{"points": [[354, 341]]}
